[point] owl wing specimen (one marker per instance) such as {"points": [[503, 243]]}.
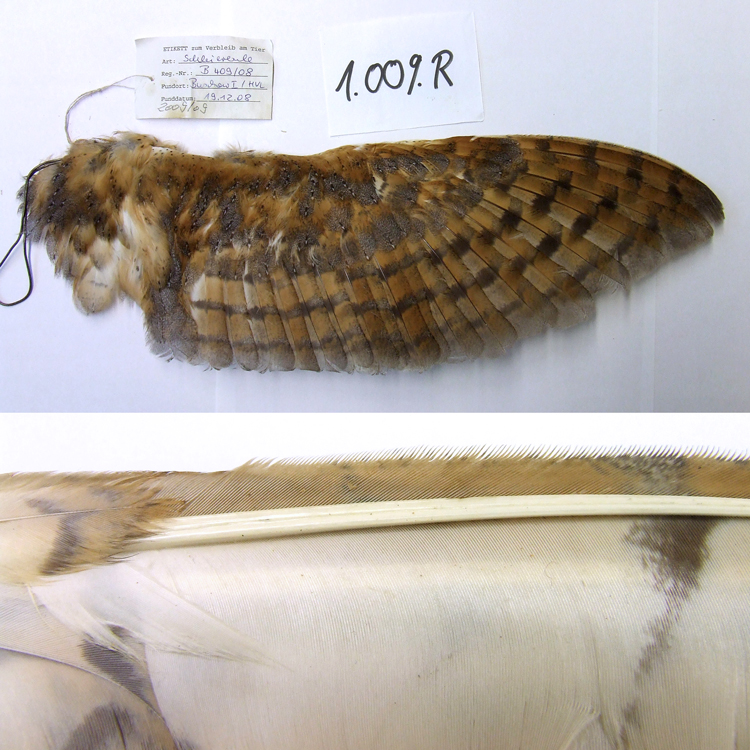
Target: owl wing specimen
{"points": [[367, 258], [615, 629]]}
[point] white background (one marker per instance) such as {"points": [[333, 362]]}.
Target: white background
{"points": [[210, 442], [399, 38], [668, 76]]}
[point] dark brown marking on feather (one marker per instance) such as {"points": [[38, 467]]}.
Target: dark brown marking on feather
{"points": [[636, 175], [298, 240], [498, 165], [231, 217], [423, 337], [305, 207], [589, 157], [517, 264], [47, 507], [460, 246], [120, 668], [549, 245], [631, 720], [65, 550], [486, 237], [412, 165], [96, 162], [486, 278], [208, 192], [314, 188], [582, 273], [677, 174], [440, 161], [636, 158], [409, 301], [367, 242], [541, 204], [286, 175], [643, 475], [543, 144], [385, 165], [582, 224], [398, 265], [360, 307], [115, 191], [339, 218], [388, 233], [510, 219], [463, 197], [620, 250], [107, 726], [674, 191], [564, 181], [455, 292], [674, 550], [607, 203], [252, 187], [365, 193], [334, 184], [404, 196]]}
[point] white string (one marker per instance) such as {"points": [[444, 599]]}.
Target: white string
{"points": [[118, 84]]}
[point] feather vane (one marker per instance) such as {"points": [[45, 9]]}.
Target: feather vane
{"points": [[626, 626]]}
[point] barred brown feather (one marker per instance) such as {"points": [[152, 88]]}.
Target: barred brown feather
{"points": [[368, 258]]}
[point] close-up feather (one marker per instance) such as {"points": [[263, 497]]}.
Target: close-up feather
{"points": [[485, 599], [363, 258]]}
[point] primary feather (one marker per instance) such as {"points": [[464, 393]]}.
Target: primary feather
{"points": [[365, 258], [562, 633]]}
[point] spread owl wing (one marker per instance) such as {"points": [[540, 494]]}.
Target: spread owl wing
{"points": [[363, 258], [607, 630]]}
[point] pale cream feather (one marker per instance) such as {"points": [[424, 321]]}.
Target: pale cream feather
{"points": [[598, 631]]}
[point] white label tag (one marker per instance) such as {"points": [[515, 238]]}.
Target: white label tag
{"points": [[402, 73], [217, 77]]}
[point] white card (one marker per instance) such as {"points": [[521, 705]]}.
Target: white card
{"points": [[399, 73], [215, 77]]}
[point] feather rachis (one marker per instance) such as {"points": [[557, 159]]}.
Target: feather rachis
{"points": [[72, 522]]}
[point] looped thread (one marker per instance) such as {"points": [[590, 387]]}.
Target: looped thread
{"points": [[22, 234], [83, 96]]}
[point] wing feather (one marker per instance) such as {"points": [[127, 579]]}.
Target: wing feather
{"points": [[387, 256], [529, 628]]}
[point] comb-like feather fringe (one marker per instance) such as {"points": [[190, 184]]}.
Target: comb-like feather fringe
{"points": [[530, 631]]}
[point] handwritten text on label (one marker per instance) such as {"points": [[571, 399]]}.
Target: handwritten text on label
{"points": [[391, 73], [401, 72], [205, 77]]}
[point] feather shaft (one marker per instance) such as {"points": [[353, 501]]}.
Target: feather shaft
{"points": [[243, 527]]}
